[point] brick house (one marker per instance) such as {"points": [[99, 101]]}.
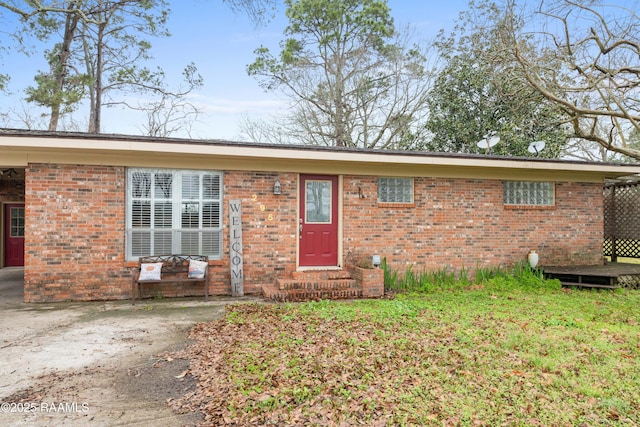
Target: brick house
{"points": [[78, 210]]}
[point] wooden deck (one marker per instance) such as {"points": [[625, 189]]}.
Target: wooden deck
{"points": [[607, 276]]}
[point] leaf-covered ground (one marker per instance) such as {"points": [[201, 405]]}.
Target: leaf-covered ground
{"points": [[472, 357]]}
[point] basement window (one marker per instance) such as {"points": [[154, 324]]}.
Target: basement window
{"points": [[395, 190], [529, 193], [173, 212]]}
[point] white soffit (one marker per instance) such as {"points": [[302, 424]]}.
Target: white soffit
{"points": [[19, 150]]}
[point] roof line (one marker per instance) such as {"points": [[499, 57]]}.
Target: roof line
{"points": [[286, 147]]}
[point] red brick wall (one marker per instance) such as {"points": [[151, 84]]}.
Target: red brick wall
{"points": [[269, 226], [74, 236], [461, 223], [268, 232], [75, 231]]}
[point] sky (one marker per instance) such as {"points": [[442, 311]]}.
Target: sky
{"points": [[221, 44]]}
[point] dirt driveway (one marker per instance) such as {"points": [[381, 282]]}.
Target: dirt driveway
{"points": [[96, 363]]}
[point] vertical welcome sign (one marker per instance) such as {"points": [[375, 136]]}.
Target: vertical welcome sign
{"points": [[235, 248]]}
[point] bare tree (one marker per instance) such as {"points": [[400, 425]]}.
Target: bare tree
{"points": [[27, 118], [261, 130], [113, 50], [259, 11], [352, 80], [104, 39], [173, 112], [588, 64], [101, 53]]}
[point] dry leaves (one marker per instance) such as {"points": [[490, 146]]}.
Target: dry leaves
{"points": [[280, 365]]}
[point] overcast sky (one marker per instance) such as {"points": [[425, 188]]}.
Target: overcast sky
{"points": [[221, 44]]}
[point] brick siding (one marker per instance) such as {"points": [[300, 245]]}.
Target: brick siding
{"points": [[74, 236], [461, 223], [269, 227], [75, 231]]}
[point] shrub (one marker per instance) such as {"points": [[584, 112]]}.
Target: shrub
{"points": [[520, 276]]}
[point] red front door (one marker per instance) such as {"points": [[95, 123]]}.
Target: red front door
{"points": [[13, 235], [318, 220]]}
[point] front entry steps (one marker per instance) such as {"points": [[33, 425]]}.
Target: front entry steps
{"points": [[314, 285]]}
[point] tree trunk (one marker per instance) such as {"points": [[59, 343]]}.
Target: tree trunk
{"points": [[60, 69], [96, 104]]}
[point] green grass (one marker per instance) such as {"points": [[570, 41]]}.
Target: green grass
{"points": [[498, 352], [519, 276]]}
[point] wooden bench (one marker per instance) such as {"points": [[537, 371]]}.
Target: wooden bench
{"points": [[174, 269]]}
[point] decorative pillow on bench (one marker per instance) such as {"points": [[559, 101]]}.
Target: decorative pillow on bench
{"points": [[197, 269], [151, 271]]}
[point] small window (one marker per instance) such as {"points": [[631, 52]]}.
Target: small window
{"points": [[16, 222], [395, 190], [318, 197], [526, 193]]}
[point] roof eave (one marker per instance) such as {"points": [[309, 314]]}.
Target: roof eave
{"points": [[146, 152]]}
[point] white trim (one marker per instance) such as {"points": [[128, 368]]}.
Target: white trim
{"points": [[20, 150]]}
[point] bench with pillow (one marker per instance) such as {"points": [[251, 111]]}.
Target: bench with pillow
{"points": [[170, 269]]}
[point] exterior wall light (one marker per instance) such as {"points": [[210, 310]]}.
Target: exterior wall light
{"points": [[277, 188], [375, 260]]}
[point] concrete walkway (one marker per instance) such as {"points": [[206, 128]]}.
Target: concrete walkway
{"points": [[11, 286], [102, 356]]}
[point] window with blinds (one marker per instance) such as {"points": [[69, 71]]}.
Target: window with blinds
{"points": [[525, 193], [174, 212], [395, 190]]}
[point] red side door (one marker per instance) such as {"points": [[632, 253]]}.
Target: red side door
{"points": [[13, 235], [318, 220]]}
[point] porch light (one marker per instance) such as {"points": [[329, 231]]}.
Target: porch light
{"points": [[277, 188], [375, 260]]}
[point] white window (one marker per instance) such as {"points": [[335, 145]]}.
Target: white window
{"points": [[174, 212], [529, 193], [395, 190]]}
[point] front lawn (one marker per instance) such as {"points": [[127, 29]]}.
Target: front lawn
{"points": [[487, 354]]}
